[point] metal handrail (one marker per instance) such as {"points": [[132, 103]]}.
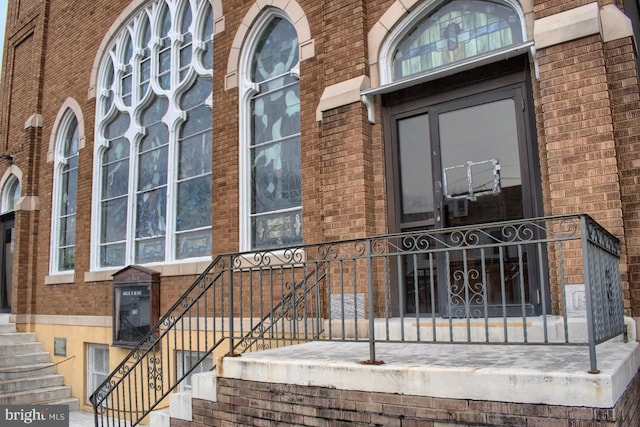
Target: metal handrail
{"points": [[109, 414], [471, 284]]}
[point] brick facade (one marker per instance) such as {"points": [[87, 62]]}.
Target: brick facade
{"points": [[585, 99], [585, 131], [248, 403]]}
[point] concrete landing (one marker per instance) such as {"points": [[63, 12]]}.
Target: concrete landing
{"points": [[549, 374]]}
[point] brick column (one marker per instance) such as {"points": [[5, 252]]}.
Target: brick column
{"points": [[622, 71], [576, 124]]}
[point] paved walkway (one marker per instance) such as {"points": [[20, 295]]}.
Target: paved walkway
{"points": [[81, 419]]}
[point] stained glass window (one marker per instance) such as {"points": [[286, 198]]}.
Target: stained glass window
{"points": [[154, 123], [67, 192], [194, 175], [274, 146], [151, 207], [457, 31]]}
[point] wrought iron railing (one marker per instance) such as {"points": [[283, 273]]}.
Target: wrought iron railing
{"points": [[551, 280]]}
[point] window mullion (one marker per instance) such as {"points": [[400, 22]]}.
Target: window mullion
{"points": [[172, 180], [132, 212]]}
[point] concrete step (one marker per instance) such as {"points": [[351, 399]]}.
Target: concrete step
{"points": [[25, 371], [30, 397], [17, 338], [27, 376], [18, 349], [31, 383], [74, 404], [24, 359], [7, 328]]}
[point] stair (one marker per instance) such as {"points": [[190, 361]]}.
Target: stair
{"points": [[27, 376]]}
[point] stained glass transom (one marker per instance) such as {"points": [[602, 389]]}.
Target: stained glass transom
{"points": [[276, 214], [155, 123], [457, 31]]}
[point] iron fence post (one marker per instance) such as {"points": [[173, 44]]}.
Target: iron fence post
{"points": [[372, 338], [584, 238], [231, 331]]}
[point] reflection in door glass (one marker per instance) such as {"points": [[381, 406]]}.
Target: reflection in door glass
{"points": [[476, 153], [415, 170], [483, 183], [420, 281], [481, 164]]}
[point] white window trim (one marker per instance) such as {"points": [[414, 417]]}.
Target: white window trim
{"points": [[91, 348], [247, 90], [408, 24], [58, 163], [173, 119], [8, 202]]}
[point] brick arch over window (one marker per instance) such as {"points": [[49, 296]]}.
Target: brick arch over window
{"points": [[399, 14], [218, 27], [299, 20], [69, 104]]}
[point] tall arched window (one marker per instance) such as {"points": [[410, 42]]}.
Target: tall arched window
{"points": [[10, 194], [153, 157], [65, 189], [271, 202], [457, 31]]}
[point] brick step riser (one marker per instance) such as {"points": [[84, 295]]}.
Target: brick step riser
{"points": [[44, 395], [25, 384]]}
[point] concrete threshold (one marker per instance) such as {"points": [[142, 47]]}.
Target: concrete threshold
{"points": [[537, 374]]}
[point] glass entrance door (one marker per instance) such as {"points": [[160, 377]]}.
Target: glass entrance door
{"points": [[461, 163]]}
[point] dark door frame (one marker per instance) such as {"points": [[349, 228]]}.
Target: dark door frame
{"points": [[491, 81], [7, 222]]}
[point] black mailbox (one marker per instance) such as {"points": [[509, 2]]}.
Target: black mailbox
{"points": [[136, 303]]}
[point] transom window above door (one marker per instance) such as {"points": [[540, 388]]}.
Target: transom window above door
{"points": [[457, 31]]}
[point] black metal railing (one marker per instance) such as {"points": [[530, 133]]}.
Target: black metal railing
{"points": [[552, 280]]}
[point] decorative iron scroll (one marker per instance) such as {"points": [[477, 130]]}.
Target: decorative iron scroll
{"points": [[294, 288], [607, 306]]}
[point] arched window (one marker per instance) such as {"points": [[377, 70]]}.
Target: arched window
{"points": [[457, 31], [65, 189], [10, 195], [271, 202], [153, 157]]}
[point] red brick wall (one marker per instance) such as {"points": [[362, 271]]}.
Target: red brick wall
{"points": [[543, 8], [586, 114], [247, 403], [579, 133], [622, 74], [20, 98]]}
